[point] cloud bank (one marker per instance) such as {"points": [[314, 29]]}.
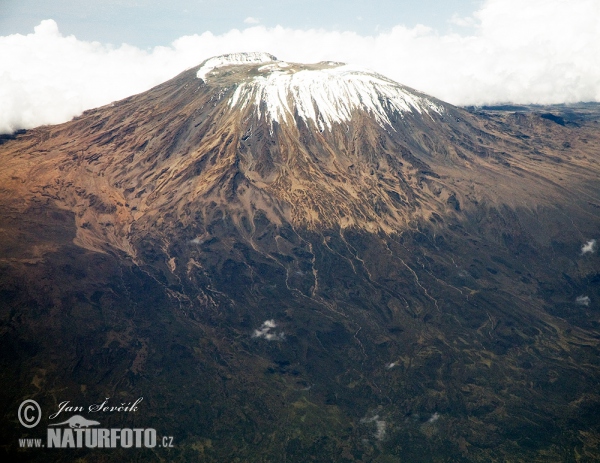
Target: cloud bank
{"points": [[519, 51]]}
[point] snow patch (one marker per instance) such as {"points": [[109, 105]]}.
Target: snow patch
{"points": [[232, 59], [273, 67]]}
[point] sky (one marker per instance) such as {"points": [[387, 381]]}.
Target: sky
{"points": [[59, 58], [148, 23]]}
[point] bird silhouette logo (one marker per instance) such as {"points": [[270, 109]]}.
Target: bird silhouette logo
{"points": [[78, 421]]}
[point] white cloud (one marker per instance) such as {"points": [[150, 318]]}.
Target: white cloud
{"points": [[589, 247], [251, 20], [583, 300], [533, 51], [380, 426], [434, 418], [46, 78], [460, 21], [266, 331]]}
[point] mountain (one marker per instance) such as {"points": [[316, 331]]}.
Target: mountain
{"points": [[296, 262]]}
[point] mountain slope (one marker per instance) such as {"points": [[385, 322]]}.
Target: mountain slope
{"points": [[308, 261]]}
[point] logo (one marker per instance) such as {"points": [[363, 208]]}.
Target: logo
{"points": [[80, 432], [30, 413], [79, 435], [77, 421]]}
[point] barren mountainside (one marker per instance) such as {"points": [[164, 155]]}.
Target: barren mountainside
{"points": [[299, 262]]}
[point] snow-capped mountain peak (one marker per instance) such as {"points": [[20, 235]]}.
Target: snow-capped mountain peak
{"points": [[325, 93]]}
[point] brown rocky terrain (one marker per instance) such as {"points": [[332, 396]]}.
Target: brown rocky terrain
{"points": [[383, 277]]}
